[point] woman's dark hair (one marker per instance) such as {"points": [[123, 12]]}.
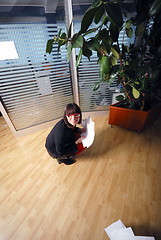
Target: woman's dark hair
{"points": [[72, 108]]}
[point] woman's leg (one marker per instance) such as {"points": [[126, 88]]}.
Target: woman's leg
{"points": [[80, 148], [62, 159]]}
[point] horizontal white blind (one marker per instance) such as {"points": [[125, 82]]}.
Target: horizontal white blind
{"points": [[36, 87], [88, 72]]}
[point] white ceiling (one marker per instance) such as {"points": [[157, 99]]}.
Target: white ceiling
{"points": [[50, 5], [22, 2]]}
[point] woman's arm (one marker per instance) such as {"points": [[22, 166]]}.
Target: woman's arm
{"points": [[79, 140]]}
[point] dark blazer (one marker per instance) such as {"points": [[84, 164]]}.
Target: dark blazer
{"points": [[61, 140]]}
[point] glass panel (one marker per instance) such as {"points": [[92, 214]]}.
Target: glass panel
{"points": [[35, 87]]}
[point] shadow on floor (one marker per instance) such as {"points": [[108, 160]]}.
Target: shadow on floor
{"points": [[146, 231], [105, 140]]}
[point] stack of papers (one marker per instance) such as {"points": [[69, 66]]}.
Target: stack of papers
{"points": [[89, 134], [118, 231]]}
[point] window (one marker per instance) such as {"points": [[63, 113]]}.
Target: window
{"points": [[34, 87]]}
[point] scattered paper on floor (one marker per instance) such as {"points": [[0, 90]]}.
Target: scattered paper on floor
{"points": [[118, 231]]}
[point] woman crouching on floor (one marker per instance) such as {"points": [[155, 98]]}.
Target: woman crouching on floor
{"points": [[65, 141]]}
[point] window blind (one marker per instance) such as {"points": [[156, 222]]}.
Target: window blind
{"points": [[88, 72], [35, 87]]}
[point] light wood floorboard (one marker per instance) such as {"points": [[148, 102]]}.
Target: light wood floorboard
{"points": [[118, 177]]}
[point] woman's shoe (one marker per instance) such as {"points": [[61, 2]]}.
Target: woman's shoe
{"points": [[69, 161], [60, 161], [66, 161]]}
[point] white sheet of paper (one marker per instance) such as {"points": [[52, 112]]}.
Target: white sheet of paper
{"points": [[89, 135], [114, 227], [143, 238], [125, 234], [118, 231]]}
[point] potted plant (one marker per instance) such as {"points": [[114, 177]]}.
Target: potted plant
{"points": [[135, 67]]}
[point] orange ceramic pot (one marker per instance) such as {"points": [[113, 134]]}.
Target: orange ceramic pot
{"points": [[132, 119]]}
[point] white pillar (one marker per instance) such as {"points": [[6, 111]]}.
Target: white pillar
{"points": [[69, 19]]}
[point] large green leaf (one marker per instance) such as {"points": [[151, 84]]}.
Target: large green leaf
{"points": [[114, 12], [125, 48], [93, 44], [120, 97], [113, 60], [87, 19], [105, 20], [103, 50], [59, 32], [49, 45], [77, 41], [86, 51], [136, 84], [103, 34], [99, 55], [107, 45], [104, 67], [61, 43], [129, 32], [90, 31], [62, 40], [79, 57], [99, 13], [114, 31], [135, 93], [143, 83], [95, 3], [115, 52], [63, 36], [69, 51], [117, 68], [128, 23]]}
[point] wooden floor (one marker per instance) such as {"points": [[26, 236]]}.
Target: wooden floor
{"points": [[118, 177]]}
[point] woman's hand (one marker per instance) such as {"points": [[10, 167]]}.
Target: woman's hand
{"points": [[82, 130], [79, 140]]}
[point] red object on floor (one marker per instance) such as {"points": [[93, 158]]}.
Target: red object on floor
{"points": [[80, 148], [79, 145]]}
